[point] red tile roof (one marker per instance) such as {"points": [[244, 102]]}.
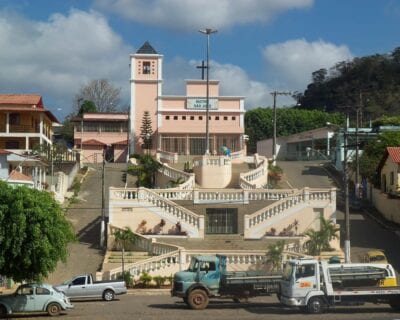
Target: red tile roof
{"points": [[16, 175], [28, 99], [93, 142], [394, 153], [22, 102]]}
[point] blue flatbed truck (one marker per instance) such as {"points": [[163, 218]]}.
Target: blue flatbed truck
{"points": [[207, 278]]}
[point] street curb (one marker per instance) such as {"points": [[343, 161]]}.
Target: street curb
{"points": [[149, 292]]}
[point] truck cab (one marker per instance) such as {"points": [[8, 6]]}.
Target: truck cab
{"points": [[203, 273], [301, 281], [315, 285], [207, 277]]}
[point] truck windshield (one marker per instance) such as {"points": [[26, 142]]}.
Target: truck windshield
{"points": [[194, 265], [287, 272]]}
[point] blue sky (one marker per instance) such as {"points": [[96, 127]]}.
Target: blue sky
{"points": [[52, 47]]}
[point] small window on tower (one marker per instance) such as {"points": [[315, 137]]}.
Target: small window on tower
{"points": [[183, 117], [191, 117], [146, 67], [200, 118], [166, 117], [175, 117]]}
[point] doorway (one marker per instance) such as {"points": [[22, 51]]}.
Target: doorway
{"points": [[110, 153], [221, 220]]}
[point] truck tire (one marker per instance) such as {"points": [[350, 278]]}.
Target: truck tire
{"points": [[53, 309], [198, 299], [108, 295], [315, 305]]}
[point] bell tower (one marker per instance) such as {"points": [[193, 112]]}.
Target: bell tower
{"points": [[146, 90]]}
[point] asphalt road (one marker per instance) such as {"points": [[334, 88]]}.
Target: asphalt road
{"points": [[365, 232], [164, 307]]}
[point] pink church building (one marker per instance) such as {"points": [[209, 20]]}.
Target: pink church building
{"points": [[179, 122]]}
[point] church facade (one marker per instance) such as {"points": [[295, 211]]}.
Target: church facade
{"points": [[179, 122]]}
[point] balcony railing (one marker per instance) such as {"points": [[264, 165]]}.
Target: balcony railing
{"points": [[19, 129]]}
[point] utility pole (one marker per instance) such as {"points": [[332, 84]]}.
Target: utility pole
{"points": [[103, 208], [346, 199], [356, 182], [79, 106], [274, 94]]}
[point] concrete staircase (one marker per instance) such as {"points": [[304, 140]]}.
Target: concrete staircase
{"points": [[113, 259], [219, 242]]}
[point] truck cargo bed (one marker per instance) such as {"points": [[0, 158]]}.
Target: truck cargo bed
{"points": [[247, 284]]}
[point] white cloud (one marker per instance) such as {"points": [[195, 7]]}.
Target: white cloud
{"points": [[234, 81], [291, 63], [54, 58], [194, 14]]}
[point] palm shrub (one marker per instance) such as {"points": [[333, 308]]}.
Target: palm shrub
{"points": [[159, 280], [123, 238], [319, 240], [145, 279], [274, 254], [126, 276]]}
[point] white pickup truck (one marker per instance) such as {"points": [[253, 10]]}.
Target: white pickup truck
{"points": [[83, 287]]}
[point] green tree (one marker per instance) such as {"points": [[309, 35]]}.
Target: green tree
{"points": [[375, 77], [274, 254], [145, 171], [87, 106], [146, 132], [124, 238], [319, 239], [101, 92], [67, 130], [373, 153], [259, 122], [34, 233]]}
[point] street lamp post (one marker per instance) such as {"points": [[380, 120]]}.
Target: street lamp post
{"points": [[274, 94], [207, 32]]}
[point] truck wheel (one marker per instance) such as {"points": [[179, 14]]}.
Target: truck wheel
{"points": [[53, 309], [3, 311], [108, 295], [198, 299], [315, 305]]}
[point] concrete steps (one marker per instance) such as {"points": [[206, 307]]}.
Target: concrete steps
{"points": [[220, 242], [115, 257]]}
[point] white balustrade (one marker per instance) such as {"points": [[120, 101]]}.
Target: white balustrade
{"points": [[291, 200], [212, 161], [238, 155], [254, 178], [175, 174], [169, 156]]}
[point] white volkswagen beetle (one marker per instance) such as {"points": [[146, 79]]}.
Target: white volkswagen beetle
{"points": [[38, 298]]}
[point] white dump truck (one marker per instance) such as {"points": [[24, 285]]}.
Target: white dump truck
{"points": [[314, 285]]}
